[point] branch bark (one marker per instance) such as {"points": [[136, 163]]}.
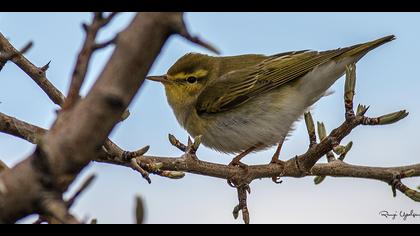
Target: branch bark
{"points": [[59, 156], [38, 74], [334, 168], [85, 55]]}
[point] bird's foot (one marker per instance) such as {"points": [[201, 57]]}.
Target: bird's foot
{"points": [[276, 160], [276, 156], [238, 163], [237, 160]]}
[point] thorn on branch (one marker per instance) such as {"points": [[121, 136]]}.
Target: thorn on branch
{"points": [[85, 27], [26, 48], [46, 67]]}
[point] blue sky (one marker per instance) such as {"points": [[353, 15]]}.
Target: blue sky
{"points": [[387, 80]]}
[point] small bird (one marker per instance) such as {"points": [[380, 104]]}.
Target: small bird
{"points": [[246, 103]]}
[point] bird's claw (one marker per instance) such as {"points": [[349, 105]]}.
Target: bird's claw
{"points": [[234, 163]]}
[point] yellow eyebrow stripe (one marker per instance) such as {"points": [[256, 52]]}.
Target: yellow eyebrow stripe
{"points": [[198, 74]]}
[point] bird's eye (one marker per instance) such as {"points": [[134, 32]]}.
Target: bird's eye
{"points": [[191, 79]]}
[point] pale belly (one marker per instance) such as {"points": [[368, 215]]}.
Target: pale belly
{"points": [[264, 121]]}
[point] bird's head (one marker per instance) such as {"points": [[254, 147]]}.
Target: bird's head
{"points": [[188, 77]]}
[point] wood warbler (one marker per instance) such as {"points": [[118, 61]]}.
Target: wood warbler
{"points": [[246, 103]]}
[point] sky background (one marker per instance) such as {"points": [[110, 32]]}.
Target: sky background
{"points": [[387, 80]]}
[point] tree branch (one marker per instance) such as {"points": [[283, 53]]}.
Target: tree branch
{"points": [[59, 158], [85, 55], [37, 74], [334, 168]]}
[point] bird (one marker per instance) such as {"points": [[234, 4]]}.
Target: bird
{"points": [[248, 103]]}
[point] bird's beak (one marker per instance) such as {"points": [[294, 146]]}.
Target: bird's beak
{"points": [[160, 78]]}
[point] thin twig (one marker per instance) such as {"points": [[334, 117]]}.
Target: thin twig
{"points": [[80, 190], [7, 56], [38, 75], [85, 55]]}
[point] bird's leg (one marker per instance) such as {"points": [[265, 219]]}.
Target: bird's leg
{"points": [[237, 160], [275, 159]]}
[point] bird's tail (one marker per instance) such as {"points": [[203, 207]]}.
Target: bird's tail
{"points": [[360, 50], [322, 78]]}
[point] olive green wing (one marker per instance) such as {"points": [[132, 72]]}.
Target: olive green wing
{"points": [[239, 86]]}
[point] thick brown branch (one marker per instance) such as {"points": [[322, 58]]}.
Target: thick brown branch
{"points": [[59, 158], [334, 168]]}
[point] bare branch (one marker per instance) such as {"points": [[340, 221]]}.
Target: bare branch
{"points": [[85, 55], [21, 129], [37, 74], [58, 209], [59, 158], [181, 29], [81, 189], [7, 56]]}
